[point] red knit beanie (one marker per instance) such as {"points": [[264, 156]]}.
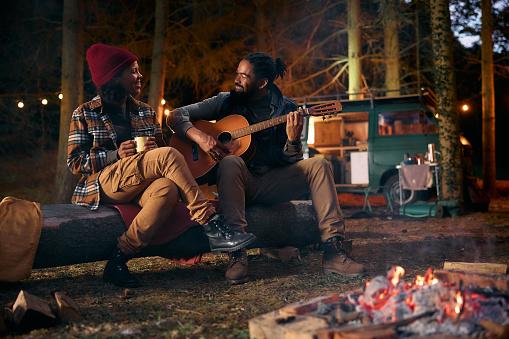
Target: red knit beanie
{"points": [[107, 61]]}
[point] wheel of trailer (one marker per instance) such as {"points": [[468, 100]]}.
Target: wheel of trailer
{"points": [[408, 197]]}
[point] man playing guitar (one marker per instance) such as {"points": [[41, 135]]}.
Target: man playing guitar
{"points": [[276, 172]]}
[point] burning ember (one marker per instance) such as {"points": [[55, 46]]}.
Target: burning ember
{"points": [[426, 306]]}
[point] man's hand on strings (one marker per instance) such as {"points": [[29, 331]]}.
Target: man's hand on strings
{"points": [[210, 145], [295, 124], [215, 149]]}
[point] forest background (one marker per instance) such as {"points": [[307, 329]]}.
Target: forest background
{"points": [[205, 39]]}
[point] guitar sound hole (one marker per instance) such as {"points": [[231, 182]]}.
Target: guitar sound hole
{"points": [[225, 138]]}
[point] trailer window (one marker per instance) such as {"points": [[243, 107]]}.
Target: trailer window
{"points": [[405, 122]]}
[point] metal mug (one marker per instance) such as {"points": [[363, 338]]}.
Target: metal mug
{"points": [[140, 144]]}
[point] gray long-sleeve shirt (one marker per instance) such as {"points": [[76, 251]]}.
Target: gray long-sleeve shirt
{"points": [[276, 150]]}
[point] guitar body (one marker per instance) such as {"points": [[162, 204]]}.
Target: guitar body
{"points": [[235, 133], [202, 166]]}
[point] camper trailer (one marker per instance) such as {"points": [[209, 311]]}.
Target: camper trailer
{"points": [[373, 135]]}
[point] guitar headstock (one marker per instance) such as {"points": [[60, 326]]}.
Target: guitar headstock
{"points": [[328, 108]]}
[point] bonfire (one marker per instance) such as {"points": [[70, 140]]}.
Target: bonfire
{"points": [[426, 306]]}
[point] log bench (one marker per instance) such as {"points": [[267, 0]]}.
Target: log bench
{"points": [[73, 234]]}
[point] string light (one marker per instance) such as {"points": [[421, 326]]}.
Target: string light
{"points": [[45, 102], [464, 108]]}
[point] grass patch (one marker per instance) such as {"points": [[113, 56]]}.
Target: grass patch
{"points": [[179, 301]]}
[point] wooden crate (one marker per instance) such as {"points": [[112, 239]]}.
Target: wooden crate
{"points": [[328, 133]]}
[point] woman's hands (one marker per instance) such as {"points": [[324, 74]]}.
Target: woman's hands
{"points": [[128, 148]]}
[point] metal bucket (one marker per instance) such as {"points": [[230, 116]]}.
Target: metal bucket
{"points": [[422, 211]]}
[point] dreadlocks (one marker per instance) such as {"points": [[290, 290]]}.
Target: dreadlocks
{"points": [[266, 67]]}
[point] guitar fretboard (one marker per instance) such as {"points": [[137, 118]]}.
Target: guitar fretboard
{"points": [[242, 132]]}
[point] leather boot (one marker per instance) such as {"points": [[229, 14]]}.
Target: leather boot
{"points": [[337, 260], [237, 267], [222, 238], [116, 270]]}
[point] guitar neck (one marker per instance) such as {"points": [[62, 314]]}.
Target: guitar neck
{"points": [[242, 132]]}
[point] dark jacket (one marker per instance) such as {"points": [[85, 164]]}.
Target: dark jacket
{"points": [[282, 152]]}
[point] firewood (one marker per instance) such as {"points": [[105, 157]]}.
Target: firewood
{"points": [[303, 307], [476, 267], [495, 330], [383, 326], [31, 312], [387, 333], [500, 282], [67, 309], [306, 306], [279, 324]]}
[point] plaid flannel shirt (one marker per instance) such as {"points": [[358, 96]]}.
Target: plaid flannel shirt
{"points": [[92, 136]]}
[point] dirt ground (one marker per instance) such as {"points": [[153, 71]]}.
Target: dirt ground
{"points": [[179, 301]]}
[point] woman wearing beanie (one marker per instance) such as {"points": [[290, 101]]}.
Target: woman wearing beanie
{"points": [[102, 150]]}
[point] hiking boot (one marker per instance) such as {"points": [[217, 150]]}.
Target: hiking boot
{"points": [[337, 260], [222, 238], [116, 271], [237, 267]]}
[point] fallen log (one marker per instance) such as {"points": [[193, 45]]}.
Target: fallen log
{"points": [[73, 234], [499, 282], [476, 267]]}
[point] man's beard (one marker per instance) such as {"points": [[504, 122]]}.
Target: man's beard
{"points": [[239, 97]]}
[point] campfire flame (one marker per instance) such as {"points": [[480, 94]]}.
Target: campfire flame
{"points": [[427, 279], [395, 274], [459, 302], [388, 299]]}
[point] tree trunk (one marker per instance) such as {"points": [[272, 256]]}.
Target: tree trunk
{"points": [[157, 74], [489, 168], [450, 146], [354, 48], [260, 26], [72, 91], [391, 48], [288, 224]]}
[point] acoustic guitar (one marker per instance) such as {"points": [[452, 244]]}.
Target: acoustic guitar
{"points": [[235, 133]]}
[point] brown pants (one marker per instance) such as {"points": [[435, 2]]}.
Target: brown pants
{"points": [[155, 181], [239, 187]]}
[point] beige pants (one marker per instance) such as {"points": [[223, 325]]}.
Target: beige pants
{"points": [[155, 181], [238, 187]]}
